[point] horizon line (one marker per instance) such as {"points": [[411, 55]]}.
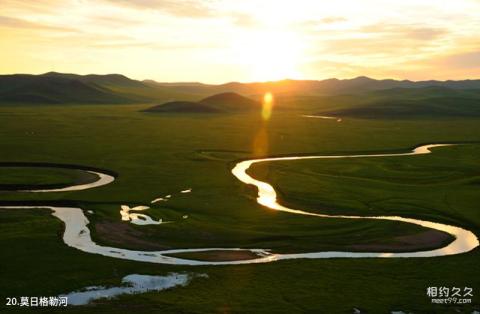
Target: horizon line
{"points": [[246, 82]]}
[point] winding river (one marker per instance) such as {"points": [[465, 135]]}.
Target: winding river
{"points": [[77, 233], [102, 179]]}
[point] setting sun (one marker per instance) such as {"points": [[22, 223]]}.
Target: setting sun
{"points": [[268, 55]]}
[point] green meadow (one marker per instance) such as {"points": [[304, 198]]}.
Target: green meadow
{"points": [[159, 154]]}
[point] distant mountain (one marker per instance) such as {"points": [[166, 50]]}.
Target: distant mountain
{"points": [[53, 90], [59, 88], [362, 84], [312, 87], [155, 83], [107, 80], [182, 106]]}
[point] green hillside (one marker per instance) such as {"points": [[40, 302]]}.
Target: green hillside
{"points": [[107, 80], [182, 106], [231, 102], [405, 103], [224, 102], [328, 87], [65, 88], [52, 89], [60, 88]]}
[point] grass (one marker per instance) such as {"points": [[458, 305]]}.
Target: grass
{"points": [[438, 183], [158, 155], [14, 177]]}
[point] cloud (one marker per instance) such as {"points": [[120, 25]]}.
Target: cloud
{"points": [[454, 66], [112, 20], [383, 40], [243, 20], [12, 22], [408, 31], [316, 24], [425, 33], [181, 8], [43, 6], [464, 60], [368, 46], [332, 19], [151, 45]]}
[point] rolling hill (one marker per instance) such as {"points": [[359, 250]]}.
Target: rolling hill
{"points": [[65, 88], [55, 89], [231, 102], [182, 106], [224, 102], [405, 103], [107, 80], [328, 87]]}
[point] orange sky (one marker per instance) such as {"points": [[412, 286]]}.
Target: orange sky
{"points": [[249, 40]]}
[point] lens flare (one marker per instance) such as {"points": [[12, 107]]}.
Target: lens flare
{"points": [[267, 106]]}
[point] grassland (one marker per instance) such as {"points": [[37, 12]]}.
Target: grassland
{"points": [[28, 177], [158, 155]]}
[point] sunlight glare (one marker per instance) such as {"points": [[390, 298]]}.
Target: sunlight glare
{"points": [[269, 55], [267, 106]]}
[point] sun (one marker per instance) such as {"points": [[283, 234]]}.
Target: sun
{"points": [[268, 55]]}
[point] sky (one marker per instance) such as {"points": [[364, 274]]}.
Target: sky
{"points": [[217, 41]]}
